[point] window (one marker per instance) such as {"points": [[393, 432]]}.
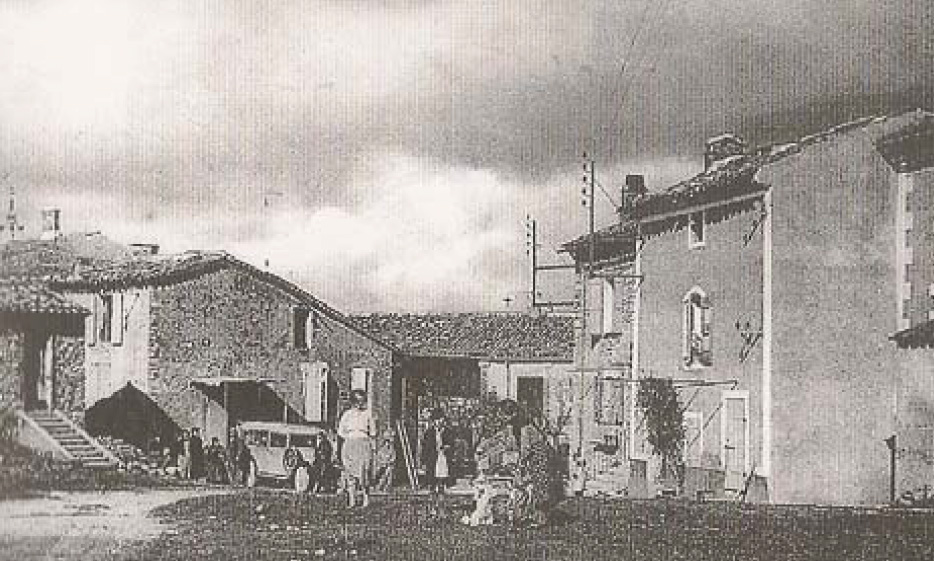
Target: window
{"points": [[106, 324], [610, 401], [696, 230], [302, 440], [256, 438], [301, 319], [697, 351], [278, 440]]}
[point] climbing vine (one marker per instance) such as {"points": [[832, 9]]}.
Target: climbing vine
{"points": [[664, 423]]}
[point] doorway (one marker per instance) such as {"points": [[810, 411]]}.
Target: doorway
{"points": [[530, 395]]}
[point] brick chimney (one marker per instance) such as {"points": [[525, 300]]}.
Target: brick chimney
{"points": [[722, 147], [144, 249], [635, 188], [51, 224]]}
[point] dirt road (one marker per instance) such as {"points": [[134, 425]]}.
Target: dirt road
{"points": [[86, 526]]}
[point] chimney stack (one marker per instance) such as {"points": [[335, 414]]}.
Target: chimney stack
{"points": [[635, 188], [722, 147], [51, 224], [144, 249]]}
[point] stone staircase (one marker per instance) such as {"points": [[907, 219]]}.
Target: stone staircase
{"points": [[72, 442]]}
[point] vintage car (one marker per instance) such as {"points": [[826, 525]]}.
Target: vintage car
{"points": [[280, 451]]}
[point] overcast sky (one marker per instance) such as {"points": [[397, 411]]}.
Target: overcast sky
{"points": [[385, 154]]}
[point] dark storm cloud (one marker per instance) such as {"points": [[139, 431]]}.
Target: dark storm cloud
{"points": [[266, 128]]}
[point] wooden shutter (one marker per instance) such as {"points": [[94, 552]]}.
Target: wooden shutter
{"points": [[116, 320], [90, 322], [315, 376], [362, 379], [706, 355], [595, 306]]}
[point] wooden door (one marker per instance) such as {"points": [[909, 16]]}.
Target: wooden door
{"points": [[735, 432]]}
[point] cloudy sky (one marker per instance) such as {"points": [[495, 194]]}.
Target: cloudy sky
{"points": [[384, 154]]}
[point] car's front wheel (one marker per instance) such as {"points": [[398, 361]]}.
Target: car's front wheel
{"points": [[252, 476]]}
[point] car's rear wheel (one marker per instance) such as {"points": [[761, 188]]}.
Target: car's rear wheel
{"points": [[252, 476], [301, 479]]}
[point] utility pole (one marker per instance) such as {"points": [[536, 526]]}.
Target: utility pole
{"points": [[12, 221], [587, 200], [532, 251]]}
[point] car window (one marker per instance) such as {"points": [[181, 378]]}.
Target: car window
{"points": [[257, 438], [303, 440], [277, 440]]}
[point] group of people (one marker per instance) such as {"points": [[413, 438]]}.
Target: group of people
{"points": [[188, 458], [517, 452]]}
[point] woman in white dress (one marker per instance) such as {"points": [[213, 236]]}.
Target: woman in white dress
{"points": [[357, 428]]}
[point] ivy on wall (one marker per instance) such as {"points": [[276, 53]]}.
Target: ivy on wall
{"points": [[664, 424]]}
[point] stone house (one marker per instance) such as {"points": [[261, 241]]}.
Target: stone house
{"points": [[212, 341], [766, 288]]}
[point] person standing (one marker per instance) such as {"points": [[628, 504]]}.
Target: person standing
{"points": [[216, 462], [197, 454], [322, 464], [184, 455], [435, 453], [357, 428]]}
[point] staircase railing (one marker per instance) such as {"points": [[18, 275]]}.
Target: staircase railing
{"points": [[90, 439]]}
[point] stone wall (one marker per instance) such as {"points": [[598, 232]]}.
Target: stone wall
{"points": [[68, 372], [11, 358], [230, 323]]}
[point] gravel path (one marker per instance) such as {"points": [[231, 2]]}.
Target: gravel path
{"points": [[86, 526]]}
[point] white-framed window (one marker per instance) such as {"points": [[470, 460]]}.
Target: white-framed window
{"points": [[697, 350], [697, 233], [315, 390]]}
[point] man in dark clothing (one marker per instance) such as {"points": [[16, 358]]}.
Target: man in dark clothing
{"points": [[215, 460], [322, 464], [197, 454]]}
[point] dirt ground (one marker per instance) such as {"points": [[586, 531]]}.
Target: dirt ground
{"points": [[85, 525]]}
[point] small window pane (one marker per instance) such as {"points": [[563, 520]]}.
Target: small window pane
{"points": [[278, 440], [256, 438], [303, 440]]}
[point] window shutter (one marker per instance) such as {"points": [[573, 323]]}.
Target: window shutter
{"points": [[595, 306], [90, 322], [362, 379], [315, 377], [608, 301], [116, 321], [706, 333]]}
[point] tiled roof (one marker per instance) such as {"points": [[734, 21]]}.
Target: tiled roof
{"points": [[169, 269], [513, 337], [906, 142], [154, 270], [32, 297], [44, 258]]}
